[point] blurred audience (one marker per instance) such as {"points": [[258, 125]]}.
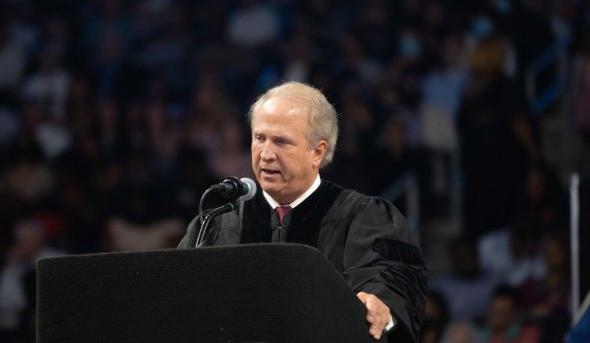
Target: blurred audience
{"points": [[436, 317], [512, 255], [115, 116], [548, 299], [17, 282], [493, 123], [461, 332], [505, 319], [467, 288]]}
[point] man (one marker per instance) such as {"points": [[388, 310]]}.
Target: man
{"points": [[294, 133]]}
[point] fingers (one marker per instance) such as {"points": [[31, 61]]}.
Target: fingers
{"points": [[362, 296], [378, 314]]}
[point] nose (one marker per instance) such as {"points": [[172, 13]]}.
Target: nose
{"points": [[267, 153]]}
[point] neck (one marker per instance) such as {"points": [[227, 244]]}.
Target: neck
{"points": [[293, 199], [285, 199]]}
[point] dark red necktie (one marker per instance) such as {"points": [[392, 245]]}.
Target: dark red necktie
{"points": [[282, 212]]}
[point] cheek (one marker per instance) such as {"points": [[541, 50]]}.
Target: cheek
{"points": [[254, 152], [253, 164], [298, 165]]}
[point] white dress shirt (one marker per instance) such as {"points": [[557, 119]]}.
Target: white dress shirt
{"points": [[274, 204]]}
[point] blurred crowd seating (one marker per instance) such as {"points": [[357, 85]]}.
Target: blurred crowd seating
{"points": [[116, 115]]}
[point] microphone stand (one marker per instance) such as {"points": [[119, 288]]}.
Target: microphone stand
{"points": [[208, 216], [205, 217]]}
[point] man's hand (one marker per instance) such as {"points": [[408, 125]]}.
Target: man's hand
{"points": [[378, 314]]}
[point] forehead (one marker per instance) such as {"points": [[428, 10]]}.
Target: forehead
{"points": [[283, 105], [282, 112]]}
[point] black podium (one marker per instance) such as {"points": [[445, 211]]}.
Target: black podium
{"points": [[239, 294]]}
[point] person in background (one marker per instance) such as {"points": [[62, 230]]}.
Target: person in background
{"points": [[17, 285], [493, 121], [547, 299], [436, 317], [512, 255], [467, 288], [461, 332], [505, 321]]}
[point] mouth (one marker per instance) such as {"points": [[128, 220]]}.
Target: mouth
{"points": [[267, 172]]}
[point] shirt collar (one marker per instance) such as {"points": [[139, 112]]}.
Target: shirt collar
{"points": [[315, 185]]}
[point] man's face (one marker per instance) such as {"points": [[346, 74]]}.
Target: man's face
{"points": [[284, 162]]}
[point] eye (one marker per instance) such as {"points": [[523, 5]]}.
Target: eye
{"points": [[259, 138], [281, 141]]}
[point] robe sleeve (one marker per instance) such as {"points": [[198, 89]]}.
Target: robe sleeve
{"points": [[381, 258], [189, 238], [231, 233]]}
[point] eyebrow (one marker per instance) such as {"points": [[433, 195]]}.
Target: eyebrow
{"points": [[281, 136]]}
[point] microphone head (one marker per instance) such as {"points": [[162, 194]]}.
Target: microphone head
{"points": [[251, 185], [230, 188]]}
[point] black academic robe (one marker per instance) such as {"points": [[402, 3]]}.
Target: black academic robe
{"points": [[366, 239]]}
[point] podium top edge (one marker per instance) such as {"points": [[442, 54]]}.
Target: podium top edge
{"points": [[249, 246]]}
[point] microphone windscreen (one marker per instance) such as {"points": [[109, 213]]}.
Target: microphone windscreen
{"points": [[251, 188]]}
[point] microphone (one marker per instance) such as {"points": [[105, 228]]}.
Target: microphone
{"points": [[233, 188], [251, 188]]}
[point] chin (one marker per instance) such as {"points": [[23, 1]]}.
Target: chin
{"points": [[272, 188], [269, 187]]}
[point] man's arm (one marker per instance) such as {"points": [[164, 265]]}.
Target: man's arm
{"points": [[222, 230], [381, 259], [189, 238]]}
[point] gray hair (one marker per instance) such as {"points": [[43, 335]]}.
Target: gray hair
{"points": [[323, 120]]}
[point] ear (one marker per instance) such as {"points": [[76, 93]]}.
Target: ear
{"points": [[319, 152]]}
